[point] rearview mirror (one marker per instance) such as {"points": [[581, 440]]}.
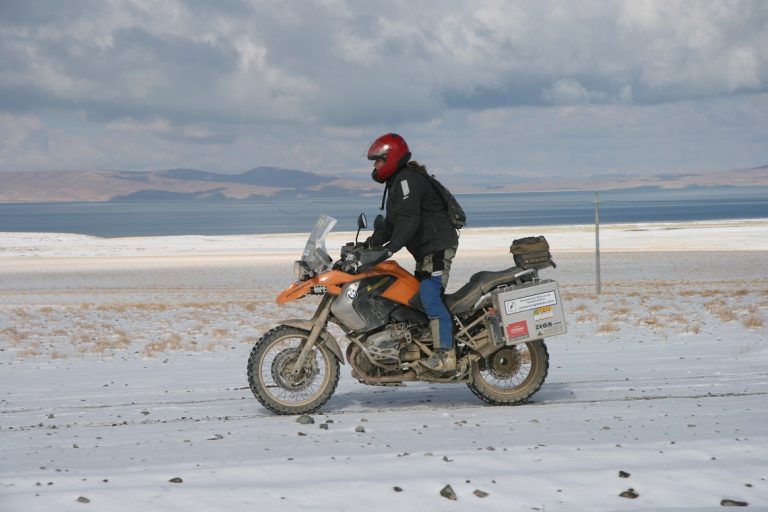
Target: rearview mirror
{"points": [[362, 223]]}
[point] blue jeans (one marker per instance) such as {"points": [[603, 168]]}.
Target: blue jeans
{"points": [[430, 291], [433, 270]]}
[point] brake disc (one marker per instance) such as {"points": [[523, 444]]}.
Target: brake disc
{"points": [[282, 370], [505, 362]]}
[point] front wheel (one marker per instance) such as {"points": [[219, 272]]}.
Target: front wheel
{"points": [[511, 375], [271, 377]]}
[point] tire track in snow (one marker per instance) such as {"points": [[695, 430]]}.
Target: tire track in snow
{"points": [[361, 410]]}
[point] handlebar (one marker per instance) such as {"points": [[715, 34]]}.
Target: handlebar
{"points": [[359, 257]]}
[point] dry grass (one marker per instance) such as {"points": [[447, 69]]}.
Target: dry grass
{"points": [[253, 307], [82, 339], [676, 318], [721, 310], [573, 295], [650, 321], [221, 333], [215, 322], [12, 336], [692, 329], [250, 340], [22, 313], [210, 347], [586, 318], [607, 327], [126, 307], [72, 330], [172, 343], [29, 352], [753, 321], [118, 341], [113, 308], [157, 308], [621, 311]]}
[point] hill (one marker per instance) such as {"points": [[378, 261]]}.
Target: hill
{"points": [[273, 182]]}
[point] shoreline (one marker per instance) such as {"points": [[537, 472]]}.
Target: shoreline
{"points": [[696, 236]]}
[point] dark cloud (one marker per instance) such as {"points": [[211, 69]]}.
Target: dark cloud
{"points": [[180, 57], [352, 63], [19, 13], [218, 8], [205, 70]]}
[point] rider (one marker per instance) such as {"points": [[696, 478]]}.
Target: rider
{"points": [[416, 218]]}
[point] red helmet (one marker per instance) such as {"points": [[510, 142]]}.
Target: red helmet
{"points": [[391, 148]]}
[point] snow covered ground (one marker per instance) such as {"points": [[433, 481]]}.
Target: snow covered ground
{"points": [[123, 387]]}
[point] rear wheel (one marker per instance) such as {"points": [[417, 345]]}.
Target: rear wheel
{"points": [[271, 377], [511, 375]]}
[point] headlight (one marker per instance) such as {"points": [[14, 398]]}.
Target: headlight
{"points": [[300, 271], [297, 270]]}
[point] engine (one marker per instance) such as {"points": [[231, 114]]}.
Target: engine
{"points": [[384, 346], [386, 350]]}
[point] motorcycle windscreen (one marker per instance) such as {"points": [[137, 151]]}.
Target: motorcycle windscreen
{"points": [[315, 255]]}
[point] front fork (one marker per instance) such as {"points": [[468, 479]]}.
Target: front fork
{"points": [[319, 319]]}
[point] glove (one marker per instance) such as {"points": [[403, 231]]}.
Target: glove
{"points": [[375, 240], [369, 259]]}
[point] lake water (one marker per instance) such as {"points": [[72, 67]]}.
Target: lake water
{"points": [[298, 215]]}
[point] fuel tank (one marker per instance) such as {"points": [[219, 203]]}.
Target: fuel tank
{"points": [[361, 307]]}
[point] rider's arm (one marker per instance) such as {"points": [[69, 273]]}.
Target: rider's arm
{"points": [[408, 196]]}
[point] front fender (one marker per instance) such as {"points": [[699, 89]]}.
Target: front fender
{"points": [[325, 336]]}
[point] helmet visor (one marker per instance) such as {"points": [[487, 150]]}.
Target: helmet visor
{"points": [[377, 150]]}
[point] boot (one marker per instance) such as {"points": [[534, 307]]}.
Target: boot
{"points": [[442, 360]]}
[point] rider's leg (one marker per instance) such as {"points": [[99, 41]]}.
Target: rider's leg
{"points": [[431, 291], [434, 271]]}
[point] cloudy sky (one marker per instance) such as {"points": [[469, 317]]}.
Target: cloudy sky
{"points": [[484, 86]]}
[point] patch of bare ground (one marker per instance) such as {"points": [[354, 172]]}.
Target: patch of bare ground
{"points": [[127, 328], [219, 321], [678, 308]]}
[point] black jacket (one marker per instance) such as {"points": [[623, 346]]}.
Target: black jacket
{"points": [[416, 216]]}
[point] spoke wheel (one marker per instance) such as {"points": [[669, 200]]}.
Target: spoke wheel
{"points": [[273, 381], [511, 375]]}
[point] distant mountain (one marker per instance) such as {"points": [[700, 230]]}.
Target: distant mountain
{"points": [[262, 183], [469, 182], [165, 195], [260, 176], [174, 185]]}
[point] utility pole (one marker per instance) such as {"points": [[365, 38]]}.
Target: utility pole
{"points": [[597, 243]]}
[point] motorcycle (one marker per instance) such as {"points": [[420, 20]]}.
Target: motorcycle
{"points": [[500, 321]]}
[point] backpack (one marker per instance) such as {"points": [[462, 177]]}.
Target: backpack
{"points": [[455, 211]]}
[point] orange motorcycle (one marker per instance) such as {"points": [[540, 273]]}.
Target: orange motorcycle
{"points": [[500, 321]]}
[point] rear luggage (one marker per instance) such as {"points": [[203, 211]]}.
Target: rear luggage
{"points": [[532, 252]]}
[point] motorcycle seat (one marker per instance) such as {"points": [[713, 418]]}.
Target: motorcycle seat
{"points": [[463, 299]]}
